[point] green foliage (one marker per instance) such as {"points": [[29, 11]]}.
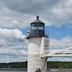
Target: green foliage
{"points": [[50, 64], [59, 64], [14, 65]]}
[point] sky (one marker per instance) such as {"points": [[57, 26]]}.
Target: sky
{"points": [[15, 19]]}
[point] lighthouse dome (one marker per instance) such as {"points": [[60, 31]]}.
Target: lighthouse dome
{"points": [[37, 21], [37, 28]]}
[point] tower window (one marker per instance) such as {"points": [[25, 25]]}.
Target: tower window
{"points": [[40, 28], [34, 28]]}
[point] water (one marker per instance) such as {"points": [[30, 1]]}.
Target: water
{"points": [[51, 70], [60, 70], [12, 71]]}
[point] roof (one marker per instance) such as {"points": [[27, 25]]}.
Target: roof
{"points": [[37, 20]]}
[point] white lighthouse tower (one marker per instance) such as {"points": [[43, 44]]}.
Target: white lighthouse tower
{"points": [[38, 42]]}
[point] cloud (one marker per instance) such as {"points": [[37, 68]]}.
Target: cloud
{"points": [[63, 59], [61, 43], [20, 13], [54, 12], [13, 19], [12, 45], [57, 45], [61, 13], [17, 20]]}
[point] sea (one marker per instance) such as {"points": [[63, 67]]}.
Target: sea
{"points": [[12, 71], [51, 70]]}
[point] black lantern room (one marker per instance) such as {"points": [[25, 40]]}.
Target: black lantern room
{"points": [[37, 28]]}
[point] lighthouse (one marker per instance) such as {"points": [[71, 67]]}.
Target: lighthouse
{"points": [[38, 43]]}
